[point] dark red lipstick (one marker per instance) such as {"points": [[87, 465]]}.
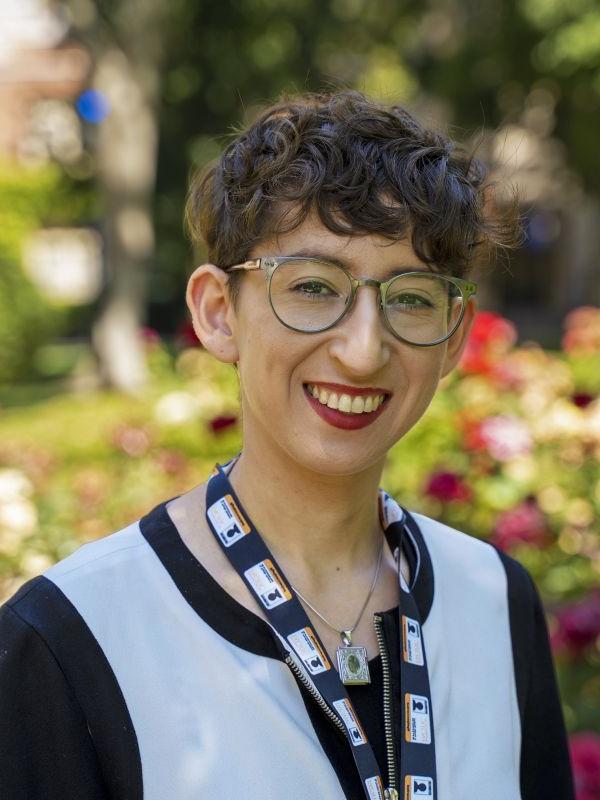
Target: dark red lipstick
{"points": [[342, 419]]}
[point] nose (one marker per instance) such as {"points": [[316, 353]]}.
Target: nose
{"points": [[359, 342]]}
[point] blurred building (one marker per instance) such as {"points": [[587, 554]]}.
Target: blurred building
{"points": [[40, 74]]}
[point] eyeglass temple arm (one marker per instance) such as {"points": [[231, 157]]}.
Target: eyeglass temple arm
{"points": [[469, 287], [253, 263]]}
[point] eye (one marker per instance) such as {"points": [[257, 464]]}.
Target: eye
{"points": [[314, 288], [408, 301]]}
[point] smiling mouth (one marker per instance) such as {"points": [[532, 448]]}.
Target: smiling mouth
{"points": [[345, 403]]}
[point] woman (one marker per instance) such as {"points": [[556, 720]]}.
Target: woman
{"points": [[286, 628]]}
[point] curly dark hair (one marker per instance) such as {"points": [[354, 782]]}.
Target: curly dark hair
{"points": [[364, 168]]}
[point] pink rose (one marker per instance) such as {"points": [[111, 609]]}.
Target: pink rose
{"points": [[150, 337], [171, 461], [505, 436], [582, 331], [524, 523], [131, 440]]}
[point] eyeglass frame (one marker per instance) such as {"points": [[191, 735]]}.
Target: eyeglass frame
{"points": [[270, 263]]}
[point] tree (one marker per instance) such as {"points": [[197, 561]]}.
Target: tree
{"points": [[127, 73]]}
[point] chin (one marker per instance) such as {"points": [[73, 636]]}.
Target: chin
{"points": [[336, 461]]}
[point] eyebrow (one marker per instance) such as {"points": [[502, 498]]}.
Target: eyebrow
{"points": [[341, 263]]}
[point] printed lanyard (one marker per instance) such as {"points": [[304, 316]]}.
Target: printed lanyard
{"points": [[256, 566]]}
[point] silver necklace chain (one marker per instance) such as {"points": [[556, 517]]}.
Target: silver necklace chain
{"points": [[346, 633]]}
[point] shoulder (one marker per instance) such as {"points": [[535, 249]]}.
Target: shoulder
{"points": [[114, 551], [48, 650], [56, 620], [474, 562], [46, 604], [84, 580], [451, 542]]}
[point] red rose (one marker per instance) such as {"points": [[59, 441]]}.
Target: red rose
{"points": [[585, 758], [490, 338], [473, 438], [222, 422], [577, 625], [447, 486], [582, 399], [185, 336], [491, 327]]}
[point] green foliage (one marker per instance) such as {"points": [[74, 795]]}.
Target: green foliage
{"points": [[29, 199], [474, 63]]}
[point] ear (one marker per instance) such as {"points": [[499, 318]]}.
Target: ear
{"points": [[458, 341], [212, 312]]}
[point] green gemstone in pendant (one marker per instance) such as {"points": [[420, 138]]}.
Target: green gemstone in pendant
{"points": [[353, 664]]}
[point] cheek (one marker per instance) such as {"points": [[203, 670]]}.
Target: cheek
{"points": [[426, 366], [421, 370], [268, 353]]}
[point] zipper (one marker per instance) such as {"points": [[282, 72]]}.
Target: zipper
{"points": [[315, 693], [391, 793]]}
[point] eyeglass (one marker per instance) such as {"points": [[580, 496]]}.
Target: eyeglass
{"points": [[310, 295]]}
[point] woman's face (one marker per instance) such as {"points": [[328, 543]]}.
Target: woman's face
{"points": [[276, 365]]}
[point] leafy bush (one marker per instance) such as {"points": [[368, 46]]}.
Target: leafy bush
{"points": [[29, 199], [509, 451]]}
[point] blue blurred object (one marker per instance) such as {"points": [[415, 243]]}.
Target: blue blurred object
{"points": [[92, 106], [542, 228]]}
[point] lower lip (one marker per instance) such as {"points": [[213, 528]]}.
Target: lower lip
{"points": [[339, 419]]}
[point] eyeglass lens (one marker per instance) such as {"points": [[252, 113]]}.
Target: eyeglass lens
{"points": [[309, 296]]}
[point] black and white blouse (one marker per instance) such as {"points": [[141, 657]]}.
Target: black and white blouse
{"points": [[127, 672]]}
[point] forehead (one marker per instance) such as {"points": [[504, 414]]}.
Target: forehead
{"points": [[369, 253]]}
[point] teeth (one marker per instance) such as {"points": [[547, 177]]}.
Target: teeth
{"points": [[359, 404], [345, 403]]}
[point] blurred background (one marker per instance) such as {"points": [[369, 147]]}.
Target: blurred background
{"points": [[108, 405]]}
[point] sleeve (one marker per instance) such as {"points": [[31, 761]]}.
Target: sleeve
{"points": [[46, 751], [546, 772]]}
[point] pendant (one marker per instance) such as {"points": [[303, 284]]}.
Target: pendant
{"points": [[353, 664]]}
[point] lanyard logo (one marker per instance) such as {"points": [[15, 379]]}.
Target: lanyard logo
{"points": [[309, 650], [227, 520], [412, 647], [346, 711], [374, 788], [268, 584], [418, 727], [416, 786]]}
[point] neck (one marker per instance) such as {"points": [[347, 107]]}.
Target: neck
{"points": [[315, 525]]}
